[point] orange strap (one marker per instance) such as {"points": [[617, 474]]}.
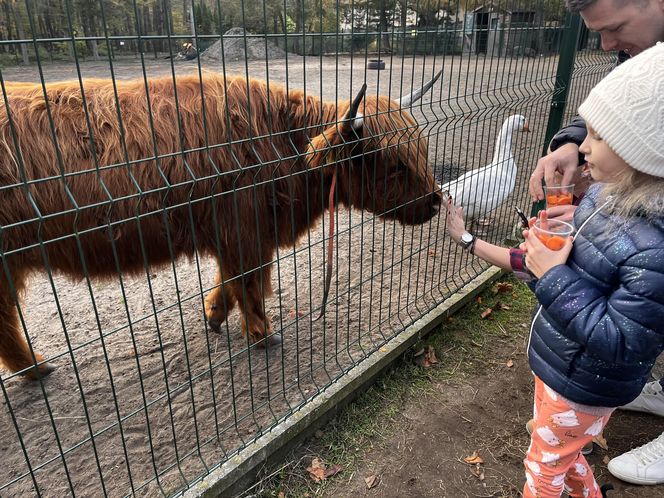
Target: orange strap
{"points": [[330, 245]]}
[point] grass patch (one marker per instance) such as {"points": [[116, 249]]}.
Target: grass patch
{"points": [[462, 346]]}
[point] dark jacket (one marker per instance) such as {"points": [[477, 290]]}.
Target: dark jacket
{"points": [[576, 131], [600, 326]]}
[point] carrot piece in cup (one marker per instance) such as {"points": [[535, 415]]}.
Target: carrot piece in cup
{"points": [[555, 243], [552, 233], [559, 196]]}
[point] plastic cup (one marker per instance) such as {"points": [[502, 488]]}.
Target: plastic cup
{"points": [[561, 195], [553, 233]]}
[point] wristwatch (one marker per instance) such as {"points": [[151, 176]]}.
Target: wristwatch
{"points": [[467, 241]]}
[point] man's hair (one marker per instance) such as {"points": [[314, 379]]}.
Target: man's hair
{"points": [[579, 5]]}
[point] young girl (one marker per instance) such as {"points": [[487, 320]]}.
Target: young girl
{"points": [[599, 326]]}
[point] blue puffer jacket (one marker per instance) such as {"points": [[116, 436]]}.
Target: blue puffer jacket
{"points": [[600, 326]]}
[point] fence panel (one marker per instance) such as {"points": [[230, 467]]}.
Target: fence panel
{"points": [[153, 195]]}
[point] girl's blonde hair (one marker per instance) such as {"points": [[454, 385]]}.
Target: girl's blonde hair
{"points": [[635, 194]]}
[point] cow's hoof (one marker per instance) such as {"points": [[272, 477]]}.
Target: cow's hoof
{"points": [[42, 371], [269, 341]]}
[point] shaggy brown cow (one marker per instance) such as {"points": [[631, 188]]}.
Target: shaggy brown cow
{"points": [[98, 177]]}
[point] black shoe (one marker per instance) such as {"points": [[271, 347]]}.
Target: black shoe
{"points": [[604, 488]]}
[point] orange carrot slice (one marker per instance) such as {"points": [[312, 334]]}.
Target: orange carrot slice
{"points": [[555, 243]]}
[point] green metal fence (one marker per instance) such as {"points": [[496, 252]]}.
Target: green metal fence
{"points": [[152, 194]]}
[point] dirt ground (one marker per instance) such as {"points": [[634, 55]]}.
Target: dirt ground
{"points": [[487, 414], [145, 398], [478, 401]]}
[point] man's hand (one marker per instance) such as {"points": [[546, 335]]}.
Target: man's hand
{"points": [[564, 161]]}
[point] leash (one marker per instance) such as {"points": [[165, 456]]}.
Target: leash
{"points": [[330, 245]]}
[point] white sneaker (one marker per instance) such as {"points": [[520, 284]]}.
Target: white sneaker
{"points": [[651, 400], [642, 465]]}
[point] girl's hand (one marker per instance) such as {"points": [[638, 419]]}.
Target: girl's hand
{"points": [[456, 225], [539, 258], [562, 213]]}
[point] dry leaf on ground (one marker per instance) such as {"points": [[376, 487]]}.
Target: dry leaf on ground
{"points": [[426, 357], [317, 470], [294, 313], [510, 363], [487, 312], [504, 306], [372, 481], [473, 459], [334, 470], [430, 357], [478, 471], [503, 287], [600, 441], [606, 459]]}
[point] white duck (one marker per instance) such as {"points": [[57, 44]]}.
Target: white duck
{"points": [[482, 190]]}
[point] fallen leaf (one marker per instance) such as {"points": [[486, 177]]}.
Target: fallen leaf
{"points": [[295, 313], [317, 470], [432, 253], [473, 459], [503, 287], [426, 357], [600, 441], [486, 312], [372, 481], [478, 471], [430, 357], [281, 494], [479, 299], [606, 459], [504, 306], [334, 470], [510, 363]]}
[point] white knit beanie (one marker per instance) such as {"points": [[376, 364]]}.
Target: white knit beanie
{"points": [[626, 109]]}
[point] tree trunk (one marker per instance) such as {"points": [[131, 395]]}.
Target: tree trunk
{"points": [[19, 29], [385, 45]]}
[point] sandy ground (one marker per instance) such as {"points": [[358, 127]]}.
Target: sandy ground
{"points": [[146, 399]]}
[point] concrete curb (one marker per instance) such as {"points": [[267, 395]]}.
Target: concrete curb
{"points": [[239, 472]]}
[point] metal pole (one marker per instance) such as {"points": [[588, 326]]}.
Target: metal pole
{"points": [[568, 47]]}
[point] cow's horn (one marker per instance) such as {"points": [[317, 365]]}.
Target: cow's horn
{"points": [[352, 117], [408, 100]]}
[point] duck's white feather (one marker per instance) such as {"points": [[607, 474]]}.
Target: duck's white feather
{"points": [[482, 190]]}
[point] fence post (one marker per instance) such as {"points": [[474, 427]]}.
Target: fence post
{"points": [[568, 47]]}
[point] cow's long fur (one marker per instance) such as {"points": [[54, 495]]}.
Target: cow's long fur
{"points": [[252, 178]]}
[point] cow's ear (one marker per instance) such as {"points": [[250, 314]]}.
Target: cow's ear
{"points": [[331, 145]]}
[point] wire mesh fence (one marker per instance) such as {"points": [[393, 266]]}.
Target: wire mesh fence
{"points": [[166, 196]]}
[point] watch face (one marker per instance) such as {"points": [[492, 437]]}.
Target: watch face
{"points": [[466, 238]]}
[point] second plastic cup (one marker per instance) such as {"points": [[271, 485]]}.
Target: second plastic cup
{"points": [[559, 196], [553, 233]]}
